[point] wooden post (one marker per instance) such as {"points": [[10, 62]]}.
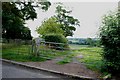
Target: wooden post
{"points": [[33, 47], [36, 46]]}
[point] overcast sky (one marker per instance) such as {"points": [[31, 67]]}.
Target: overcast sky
{"points": [[88, 13]]}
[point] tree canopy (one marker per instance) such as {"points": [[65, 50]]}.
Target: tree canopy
{"points": [[60, 23], [67, 22], [14, 15], [110, 39], [49, 26]]}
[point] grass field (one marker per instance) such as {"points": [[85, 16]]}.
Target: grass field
{"points": [[91, 55], [18, 53], [74, 46], [23, 53]]}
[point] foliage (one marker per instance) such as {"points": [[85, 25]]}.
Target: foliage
{"points": [[97, 43], [110, 39], [93, 42], [14, 15], [50, 26], [67, 22], [61, 23], [25, 10], [57, 38], [90, 42], [26, 34]]}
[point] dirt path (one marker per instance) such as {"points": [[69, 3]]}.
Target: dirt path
{"points": [[72, 68]]}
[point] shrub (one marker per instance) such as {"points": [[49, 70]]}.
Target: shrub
{"points": [[110, 39], [56, 38]]}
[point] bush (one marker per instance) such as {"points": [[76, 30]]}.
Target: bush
{"points": [[56, 38], [110, 39]]}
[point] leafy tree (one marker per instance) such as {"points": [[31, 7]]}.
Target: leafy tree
{"points": [[51, 31], [14, 15], [57, 38], [90, 42], [50, 26], [67, 22], [110, 39], [25, 10], [97, 43], [26, 33]]}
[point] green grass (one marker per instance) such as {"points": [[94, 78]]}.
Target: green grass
{"points": [[91, 57], [19, 53], [74, 46], [51, 54], [23, 53], [64, 61], [67, 59], [21, 58]]}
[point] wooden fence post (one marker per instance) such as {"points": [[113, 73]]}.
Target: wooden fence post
{"points": [[35, 47]]}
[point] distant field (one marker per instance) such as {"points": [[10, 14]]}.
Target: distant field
{"points": [[74, 46]]}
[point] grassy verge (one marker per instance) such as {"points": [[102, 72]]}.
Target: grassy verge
{"points": [[21, 58], [19, 53]]}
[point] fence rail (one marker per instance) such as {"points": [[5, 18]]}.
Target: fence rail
{"points": [[51, 42]]}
